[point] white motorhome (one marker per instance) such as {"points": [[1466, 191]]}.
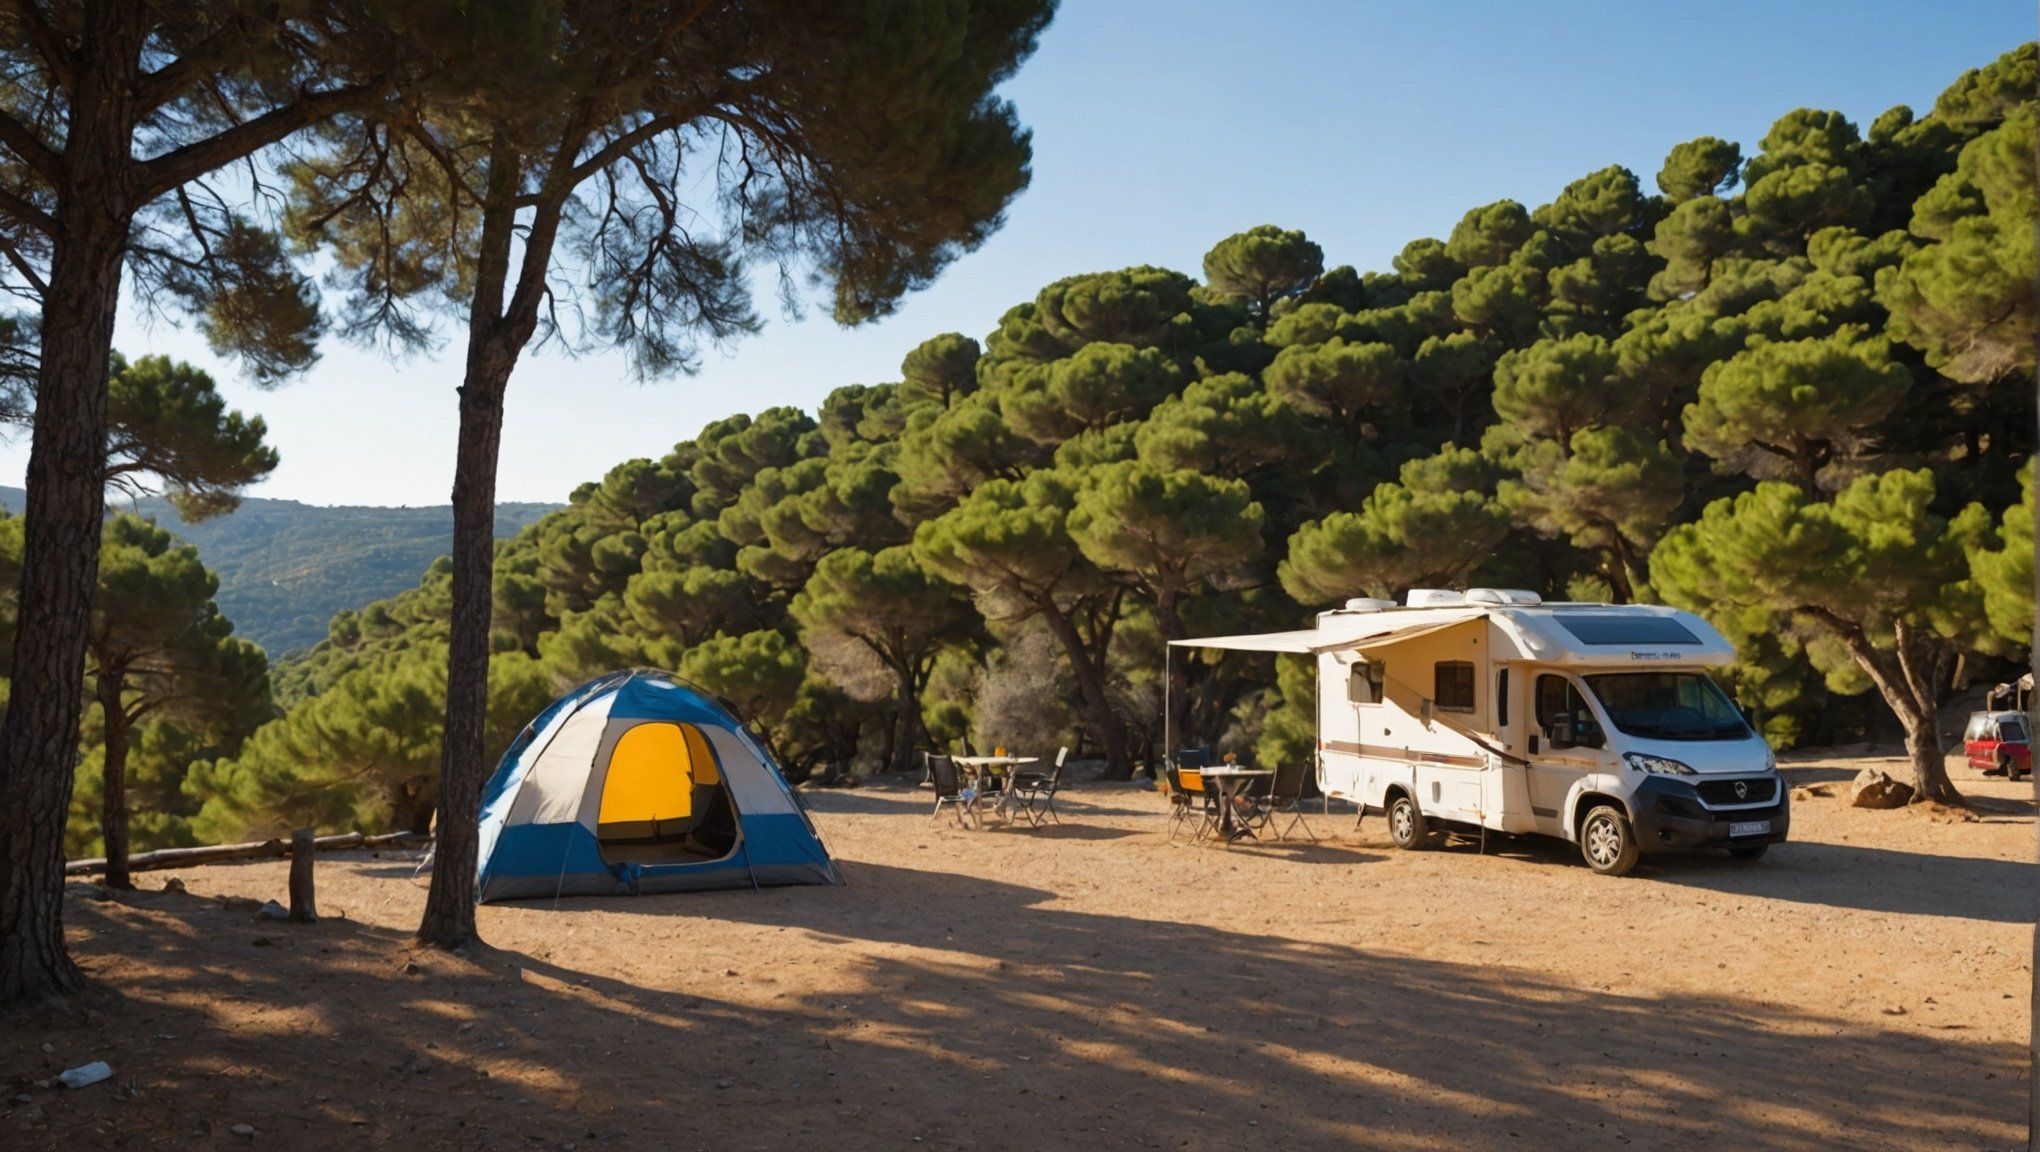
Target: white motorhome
{"points": [[1491, 710]]}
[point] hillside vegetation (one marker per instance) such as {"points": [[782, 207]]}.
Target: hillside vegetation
{"points": [[286, 568], [1788, 386]]}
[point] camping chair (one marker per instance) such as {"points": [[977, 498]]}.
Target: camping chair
{"points": [[1284, 798], [943, 768], [1036, 791], [1180, 798], [1190, 799]]}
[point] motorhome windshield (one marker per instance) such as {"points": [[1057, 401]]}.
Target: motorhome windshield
{"points": [[1668, 706]]}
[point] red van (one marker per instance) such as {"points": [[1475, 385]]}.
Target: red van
{"points": [[1998, 742]]}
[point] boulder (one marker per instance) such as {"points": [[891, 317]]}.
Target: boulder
{"points": [[1874, 788]]}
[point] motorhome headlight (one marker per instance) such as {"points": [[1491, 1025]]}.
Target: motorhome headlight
{"points": [[1770, 760], [1657, 765]]}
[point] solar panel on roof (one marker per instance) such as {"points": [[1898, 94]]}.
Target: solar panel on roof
{"points": [[1613, 630]]}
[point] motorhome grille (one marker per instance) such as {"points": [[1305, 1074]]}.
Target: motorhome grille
{"points": [[1758, 791]]}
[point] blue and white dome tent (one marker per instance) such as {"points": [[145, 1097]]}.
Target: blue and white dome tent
{"points": [[636, 782]]}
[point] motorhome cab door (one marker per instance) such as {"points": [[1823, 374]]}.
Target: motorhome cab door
{"points": [[1564, 743]]}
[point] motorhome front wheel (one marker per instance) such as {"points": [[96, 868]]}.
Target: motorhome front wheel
{"points": [[1607, 842]]}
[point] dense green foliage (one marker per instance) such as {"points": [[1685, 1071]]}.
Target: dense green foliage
{"points": [[286, 568], [114, 119], [171, 684], [170, 681], [1766, 391]]}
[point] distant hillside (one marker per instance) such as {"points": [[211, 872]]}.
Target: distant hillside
{"points": [[285, 568]]}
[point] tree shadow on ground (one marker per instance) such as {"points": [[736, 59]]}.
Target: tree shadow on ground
{"points": [[1186, 1034], [871, 801], [1299, 849], [1076, 801], [1869, 879], [2002, 809], [1053, 831], [1800, 776], [1829, 875], [989, 1018]]}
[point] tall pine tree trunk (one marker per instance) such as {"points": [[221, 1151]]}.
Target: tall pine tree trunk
{"points": [[1925, 665], [501, 320], [449, 920], [113, 808], [889, 752], [1909, 676], [906, 721], [65, 507], [1091, 687], [1178, 716]]}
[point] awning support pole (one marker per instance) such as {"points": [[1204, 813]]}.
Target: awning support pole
{"points": [[1168, 672], [1317, 731]]}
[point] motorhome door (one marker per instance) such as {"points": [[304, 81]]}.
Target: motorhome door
{"points": [[1563, 743]]}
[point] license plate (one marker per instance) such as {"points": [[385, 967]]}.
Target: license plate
{"points": [[1750, 828]]}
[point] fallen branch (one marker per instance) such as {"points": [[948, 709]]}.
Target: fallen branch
{"points": [[253, 850]]}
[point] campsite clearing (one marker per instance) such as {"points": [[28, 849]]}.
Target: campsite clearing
{"points": [[1088, 985]]}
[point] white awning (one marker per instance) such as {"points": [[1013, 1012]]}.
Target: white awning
{"points": [[1314, 640], [1397, 636], [1304, 640]]}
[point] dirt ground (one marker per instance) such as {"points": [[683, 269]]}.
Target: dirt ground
{"points": [[1087, 985]]}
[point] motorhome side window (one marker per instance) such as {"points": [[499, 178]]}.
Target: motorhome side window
{"points": [[1563, 714], [1452, 686], [1363, 683]]}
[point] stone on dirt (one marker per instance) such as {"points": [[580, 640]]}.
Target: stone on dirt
{"points": [[1875, 788], [86, 1074]]}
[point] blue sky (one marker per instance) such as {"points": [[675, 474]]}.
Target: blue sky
{"points": [[1160, 128]]}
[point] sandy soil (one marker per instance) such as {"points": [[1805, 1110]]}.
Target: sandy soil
{"points": [[1088, 986]]}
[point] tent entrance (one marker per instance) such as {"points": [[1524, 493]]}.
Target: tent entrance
{"points": [[664, 800]]}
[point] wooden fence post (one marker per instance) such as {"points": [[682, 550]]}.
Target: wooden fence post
{"points": [[303, 909]]}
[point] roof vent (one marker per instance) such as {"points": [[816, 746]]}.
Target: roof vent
{"points": [[1434, 597], [1367, 604], [1502, 596]]}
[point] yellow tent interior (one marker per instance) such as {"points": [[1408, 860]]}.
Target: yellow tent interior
{"points": [[663, 787]]}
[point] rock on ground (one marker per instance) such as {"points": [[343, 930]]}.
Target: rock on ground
{"points": [[1875, 788]]}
